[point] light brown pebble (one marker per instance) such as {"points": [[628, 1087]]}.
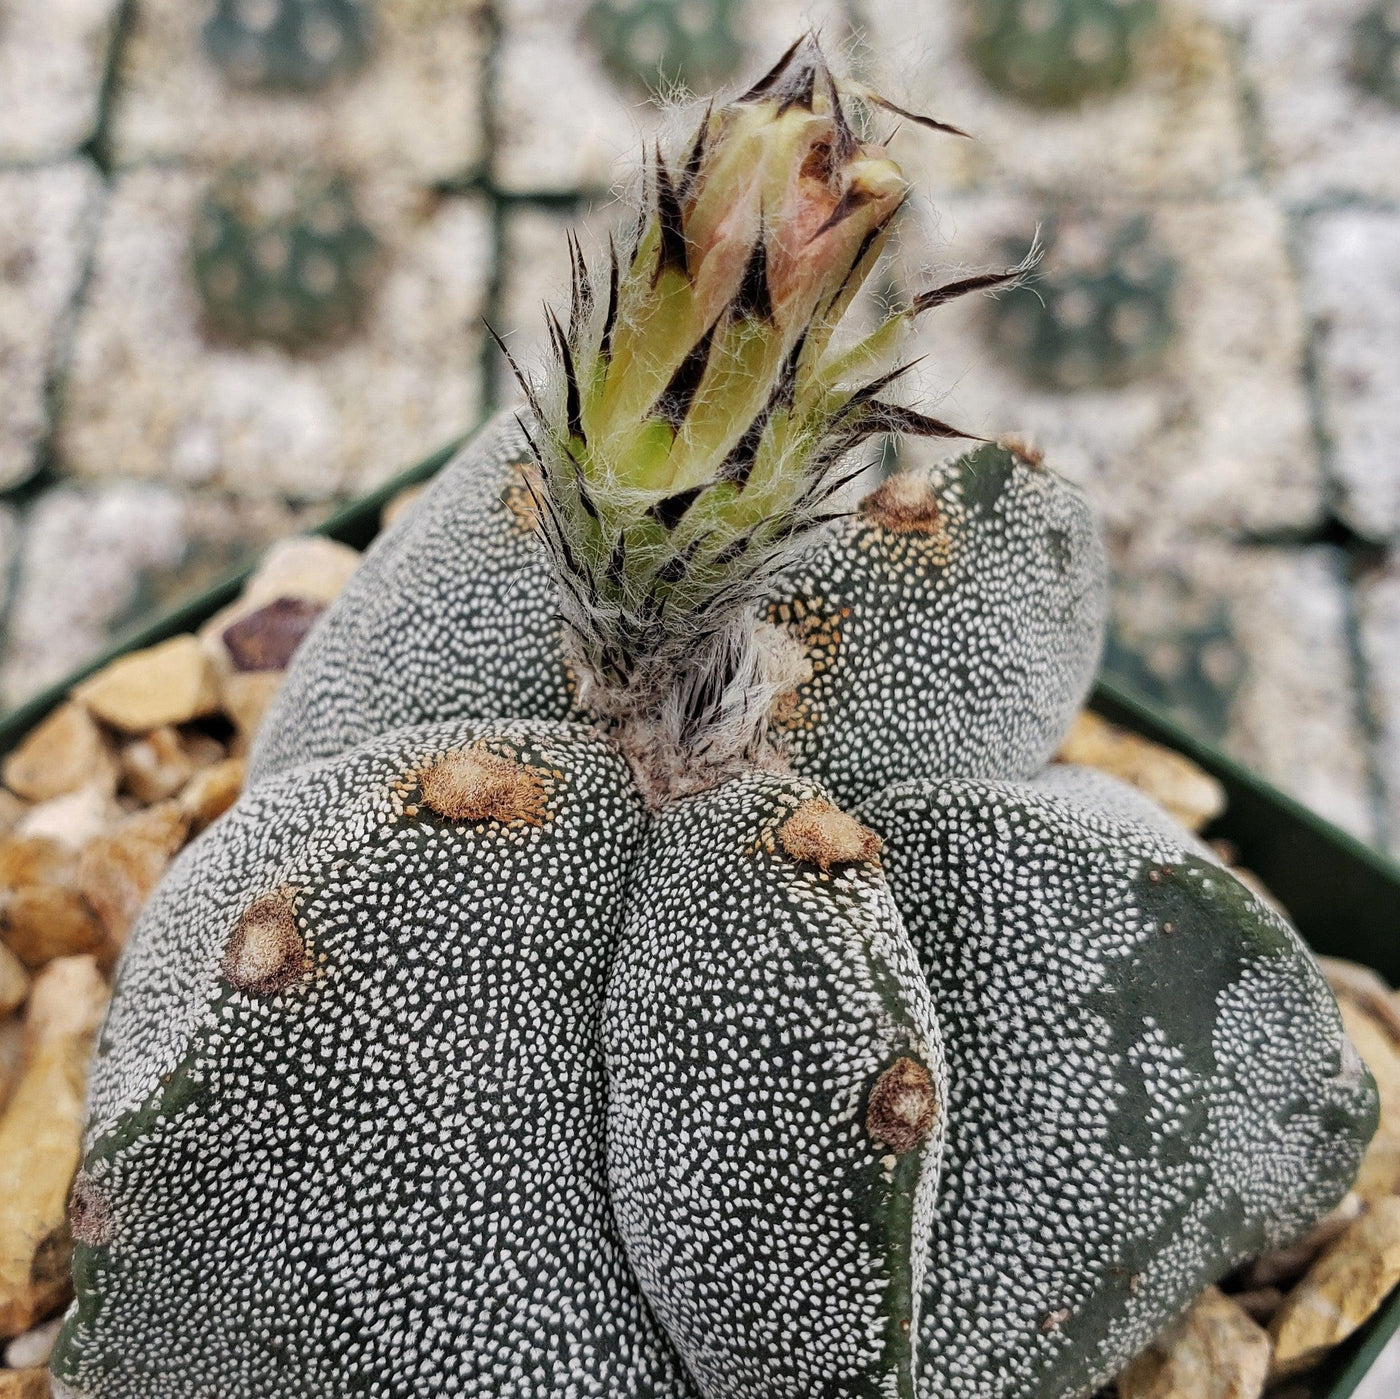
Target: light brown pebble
{"points": [[24, 1384], [1366, 988], [1342, 1289], [157, 766], [117, 872], [42, 913], [34, 1347], [821, 834], [474, 784], [40, 1140], [1380, 1167], [1189, 793], [171, 683], [72, 819], [1215, 1351], [1284, 1265], [12, 811], [396, 506], [211, 792], [245, 696], [11, 1055], [64, 752], [14, 982]]}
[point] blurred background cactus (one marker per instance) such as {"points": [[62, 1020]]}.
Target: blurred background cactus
{"points": [[1097, 312], [295, 44], [1376, 50], [1208, 346], [654, 44], [282, 256], [1054, 53]]}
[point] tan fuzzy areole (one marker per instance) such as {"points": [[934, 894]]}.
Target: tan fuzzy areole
{"points": [[89, 1219], [821, 834], [904, 505], [474, 784], [266, 953], [903, 1106]]}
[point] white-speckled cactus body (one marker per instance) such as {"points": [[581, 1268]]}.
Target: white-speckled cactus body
{"points": [[761, 893], [649, 960], [355, 1016], [1149, 1077]]}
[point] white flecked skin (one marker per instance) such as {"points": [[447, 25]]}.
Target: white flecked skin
{"points": [[387, 1176], [986, 632], [1097, 1169], [1149, 1077], [738, 966]]}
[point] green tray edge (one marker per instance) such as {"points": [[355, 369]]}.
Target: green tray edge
{"points": [[1343, 895]]}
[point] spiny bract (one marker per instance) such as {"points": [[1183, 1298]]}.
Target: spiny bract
{"points": [[656, 965], [283, 256]]}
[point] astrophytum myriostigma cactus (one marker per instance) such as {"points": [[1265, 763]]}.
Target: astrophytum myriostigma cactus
{"points": [[649, 959]]}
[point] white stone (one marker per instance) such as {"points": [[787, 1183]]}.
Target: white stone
{"points": [[53, 54], [1352, 278], [46, 226]]}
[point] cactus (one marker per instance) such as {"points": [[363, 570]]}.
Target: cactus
{"points": [[658, 43], [1055, 53], [283, 257], [1096, 320], [292, 45], [1375, 53], [730, 801]]}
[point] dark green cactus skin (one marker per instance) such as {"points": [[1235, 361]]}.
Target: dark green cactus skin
{"points": [[283, 258], [655, 43], [1095, 326], [1375, 54], [1149, 1077], [1055, 53], [961, 644], [722, 920], [292, 45]]}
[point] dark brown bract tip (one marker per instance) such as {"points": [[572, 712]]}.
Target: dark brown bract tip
{"points": [[474, 784], [266, 953], [903, 1106], [821, 834]]}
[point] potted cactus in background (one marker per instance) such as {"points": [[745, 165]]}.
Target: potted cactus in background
{"points": [[662, 963]]}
